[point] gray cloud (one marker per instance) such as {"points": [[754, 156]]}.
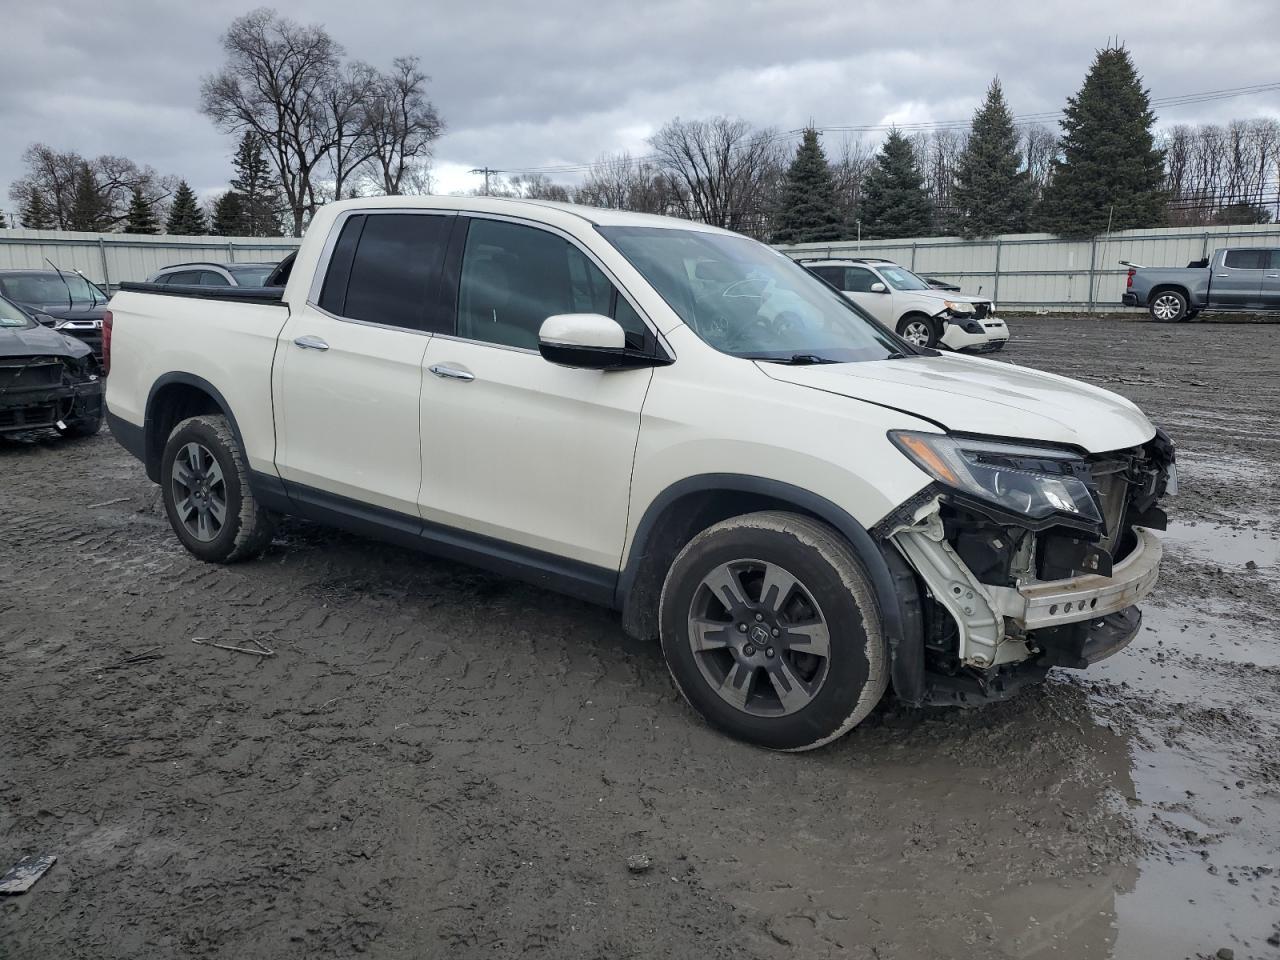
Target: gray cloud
{"points": [[526, 85]]}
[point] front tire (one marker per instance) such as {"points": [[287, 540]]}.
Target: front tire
{"points": [[205, 486], [919, 330], [1168, 306], [772, 633]]}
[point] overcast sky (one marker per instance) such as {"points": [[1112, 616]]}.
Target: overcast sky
{"points": [[549, 82]]}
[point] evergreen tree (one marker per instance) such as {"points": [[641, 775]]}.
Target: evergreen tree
{"points": [[807, 209], [1109, 159], [992, 193], [35, 213], [894, 201], [3, 222], [255, 182], [186, 219], [229, 219], [89, 211], [141, 218]]}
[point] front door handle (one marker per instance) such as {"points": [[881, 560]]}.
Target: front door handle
{"points": [[1273, 276], [452, 371], [311, 343]]}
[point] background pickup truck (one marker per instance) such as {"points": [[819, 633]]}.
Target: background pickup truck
{"points": [[1243, 280]]}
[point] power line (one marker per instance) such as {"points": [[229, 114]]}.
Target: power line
{"points": [[1020, 120], [488, 172]]}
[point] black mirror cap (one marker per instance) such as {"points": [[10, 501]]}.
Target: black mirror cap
{"points": [[600, 358]]}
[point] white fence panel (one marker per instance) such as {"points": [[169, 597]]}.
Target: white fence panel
{"points": [[112, 258], [1039, 272]]}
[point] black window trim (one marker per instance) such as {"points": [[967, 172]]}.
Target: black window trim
{"points": [[655, 344], [326, 257]]}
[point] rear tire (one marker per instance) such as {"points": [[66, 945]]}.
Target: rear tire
{"points": [[205, 485], [1168, 306], [919, 330], [771, 630]]}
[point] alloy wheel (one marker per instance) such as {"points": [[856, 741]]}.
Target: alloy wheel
{"points": [[759, 638], [1166, 307], [916, 333], [199, 491]]}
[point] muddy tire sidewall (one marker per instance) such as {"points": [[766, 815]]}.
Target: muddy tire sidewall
{"points": [[857, 670], [247, 528]]}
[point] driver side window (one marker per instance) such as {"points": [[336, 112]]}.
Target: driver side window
{"points": [[515, 276], [859, 280]]}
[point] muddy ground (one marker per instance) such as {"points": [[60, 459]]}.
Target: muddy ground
{"points": [[442, 763]]}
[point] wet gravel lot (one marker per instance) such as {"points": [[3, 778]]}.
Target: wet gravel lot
{"points": [[441, 763]]}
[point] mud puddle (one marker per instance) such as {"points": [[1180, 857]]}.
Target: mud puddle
{"points": [[1198, 693]]}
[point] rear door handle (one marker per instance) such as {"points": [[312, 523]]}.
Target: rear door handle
{"points": [[311, 343], [452, 371]]}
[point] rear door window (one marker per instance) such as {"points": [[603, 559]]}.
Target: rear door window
{"points": [[211, 278], [385, 269], [184, 277], [1246, 259]]}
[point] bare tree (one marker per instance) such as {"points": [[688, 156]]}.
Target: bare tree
{"points": [[937, 153], [275, 83], [849, 168], [620, 182], [1039, 148], [53, 176], [402, 123], [538, 186], [721, 171], [346, 99]]}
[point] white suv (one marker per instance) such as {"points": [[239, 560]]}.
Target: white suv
{"points": [[926, 316], [662, 417]]}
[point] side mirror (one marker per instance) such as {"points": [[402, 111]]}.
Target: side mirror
{"points": [[589, 341], [44, 319], [879, 287]]}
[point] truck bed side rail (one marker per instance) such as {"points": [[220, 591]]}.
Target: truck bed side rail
{"points": [[267, 295]]}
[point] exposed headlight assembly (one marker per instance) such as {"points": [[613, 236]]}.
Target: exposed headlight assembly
{"points": [[955, 307], [1035, 482]]}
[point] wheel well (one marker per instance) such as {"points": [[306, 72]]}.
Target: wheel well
{"points": [[678, 523], [171, 404], [1166, 288]]}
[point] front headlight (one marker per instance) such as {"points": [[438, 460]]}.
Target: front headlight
{"points": [[1033, 481], [955, 307]]}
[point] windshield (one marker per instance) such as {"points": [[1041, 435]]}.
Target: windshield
{"points": [[11, 316], [254, 276], [747, 300], [902, 279], [50, 288]]}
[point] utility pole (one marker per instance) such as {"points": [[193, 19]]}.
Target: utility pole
{"points": [[487, 171]]}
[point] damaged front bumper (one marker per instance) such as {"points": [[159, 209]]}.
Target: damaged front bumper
{"points": [[44, 405], [1000, 598]]}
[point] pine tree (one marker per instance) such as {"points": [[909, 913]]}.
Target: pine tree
{"points": [[807, 209], [186, 219], [992, 193], [894, 201], [255, 183], [141, 218], [89, 210], [1109, 158], [229, 219], [35, 213]]}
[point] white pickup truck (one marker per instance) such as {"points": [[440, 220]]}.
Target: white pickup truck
{"points": [[666, 418]]}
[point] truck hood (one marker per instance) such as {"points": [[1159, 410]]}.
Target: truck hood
{"points": [[971, 395], [38, 341]]}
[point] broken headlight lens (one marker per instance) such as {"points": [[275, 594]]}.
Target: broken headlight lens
{"points": [[1034, 481]]}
